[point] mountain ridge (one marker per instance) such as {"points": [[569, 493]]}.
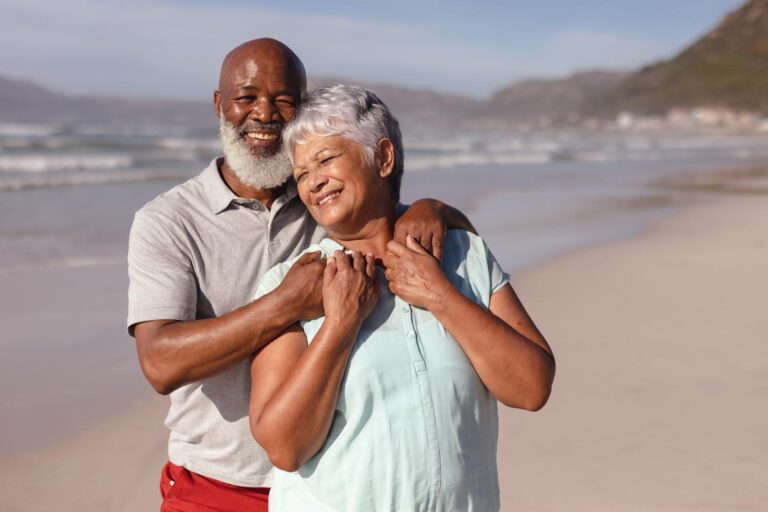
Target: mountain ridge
{"points": [[725, 68]]}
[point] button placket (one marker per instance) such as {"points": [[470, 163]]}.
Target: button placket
{"points": [[427, 404]]}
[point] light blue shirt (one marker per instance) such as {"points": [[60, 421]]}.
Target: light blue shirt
{"points": [[414, 427]]}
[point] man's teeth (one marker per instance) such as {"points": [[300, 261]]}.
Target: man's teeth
{"points": [[262, 136], [328, 197]]}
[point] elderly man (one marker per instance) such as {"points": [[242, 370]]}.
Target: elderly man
{"points": [[196, 255]]}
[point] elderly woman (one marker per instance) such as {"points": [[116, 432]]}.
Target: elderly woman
{"points": [[388, 401]]}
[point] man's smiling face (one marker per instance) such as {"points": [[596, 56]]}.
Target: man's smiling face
{"points": [[260, 87], [259, 93]]}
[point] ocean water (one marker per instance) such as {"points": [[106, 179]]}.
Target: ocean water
{"points": [[68, 194]]}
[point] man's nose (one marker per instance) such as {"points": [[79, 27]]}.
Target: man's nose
{"points": [[263, 110]]}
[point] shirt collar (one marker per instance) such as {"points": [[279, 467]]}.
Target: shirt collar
{"points": [[329, 246], [220, 196]]}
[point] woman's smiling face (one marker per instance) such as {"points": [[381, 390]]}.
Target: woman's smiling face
{"points": [[339, 186]]}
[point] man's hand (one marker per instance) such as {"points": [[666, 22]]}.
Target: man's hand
{"points": [[426, 221], [303, 284], [414, 275]]}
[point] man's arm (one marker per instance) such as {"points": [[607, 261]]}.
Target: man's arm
{"points": [[173, 353], [427, 221]]}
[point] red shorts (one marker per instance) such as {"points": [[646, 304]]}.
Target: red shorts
{"points": [[185, 491]]}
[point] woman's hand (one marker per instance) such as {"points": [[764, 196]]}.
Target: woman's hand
{"points": [[414, 275], [350, 287]]}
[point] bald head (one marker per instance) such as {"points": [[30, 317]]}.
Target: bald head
{"points": [[263, 53]]}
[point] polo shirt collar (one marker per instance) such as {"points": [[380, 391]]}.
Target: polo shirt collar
{"points": [[220, 196]]}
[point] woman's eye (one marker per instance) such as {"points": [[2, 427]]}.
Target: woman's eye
{"points": [[300, 177], [327, 159]]}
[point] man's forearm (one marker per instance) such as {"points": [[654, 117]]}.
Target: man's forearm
{"points": [[174, 353]]}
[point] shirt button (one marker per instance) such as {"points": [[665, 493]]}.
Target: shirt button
{"points": [[405, 309], [411, 335]]}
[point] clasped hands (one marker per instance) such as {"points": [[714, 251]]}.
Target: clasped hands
{"points": [[344, 286]]}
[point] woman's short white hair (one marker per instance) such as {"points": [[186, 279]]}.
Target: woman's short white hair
{"points": [[352, 112]]}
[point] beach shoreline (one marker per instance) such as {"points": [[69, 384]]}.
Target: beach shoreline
{"points": [[644, 407]]}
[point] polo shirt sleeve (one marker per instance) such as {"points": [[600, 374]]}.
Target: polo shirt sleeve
{"points": [[162, 282]]}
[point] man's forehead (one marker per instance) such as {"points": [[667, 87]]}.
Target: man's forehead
{"points": [[262, 72]]}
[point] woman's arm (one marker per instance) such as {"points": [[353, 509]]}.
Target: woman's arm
{"points": [[506, 349], [294, 386]]}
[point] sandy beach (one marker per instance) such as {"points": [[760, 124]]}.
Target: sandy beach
{"points": [[659, 402]]}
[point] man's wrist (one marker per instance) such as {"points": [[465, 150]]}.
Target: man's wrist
{"points": [[285, 306]]}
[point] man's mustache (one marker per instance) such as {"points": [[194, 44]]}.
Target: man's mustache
{"points": [[272, 126]]}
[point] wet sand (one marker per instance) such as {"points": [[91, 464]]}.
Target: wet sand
{"points": [[659, 402]]}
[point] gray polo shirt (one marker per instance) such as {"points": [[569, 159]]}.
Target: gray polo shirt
{"points": [[199, 251]]}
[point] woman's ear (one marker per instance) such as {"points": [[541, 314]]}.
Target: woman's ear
{"points": [[385, 157]]}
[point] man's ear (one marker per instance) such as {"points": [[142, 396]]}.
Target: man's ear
{"points": [[385, 157], [217, 102]]}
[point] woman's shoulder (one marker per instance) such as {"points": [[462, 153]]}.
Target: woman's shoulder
{"points": [[461, 243], [468, 260]]}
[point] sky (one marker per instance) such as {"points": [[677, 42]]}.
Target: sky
{"points": [[173, 48]]}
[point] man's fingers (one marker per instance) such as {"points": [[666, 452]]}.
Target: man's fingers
{"points": [[309, 257], [437, 246], [399, 234]]}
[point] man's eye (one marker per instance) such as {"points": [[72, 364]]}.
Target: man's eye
{"points": [[244, 98], [285, 102]]}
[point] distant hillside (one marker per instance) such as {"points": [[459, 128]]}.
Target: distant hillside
{"points": [[546, 102], [418, 107], [24, 101], [727, 67]]}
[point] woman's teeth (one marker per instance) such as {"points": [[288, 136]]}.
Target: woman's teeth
{"points": [[329, 197]]}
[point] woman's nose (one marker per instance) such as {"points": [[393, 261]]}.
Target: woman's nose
{"points": [[316, 181]]}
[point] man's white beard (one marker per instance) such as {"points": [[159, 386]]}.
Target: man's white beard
{"points": [[259, 171]]}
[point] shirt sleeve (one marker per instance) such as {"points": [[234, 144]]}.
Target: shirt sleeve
{"points": [[162, 282], [498, 277]]}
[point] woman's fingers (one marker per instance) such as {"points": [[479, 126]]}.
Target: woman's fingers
{"points": [[370, 265], [330, 270], [342, 260], [358, 261]]}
